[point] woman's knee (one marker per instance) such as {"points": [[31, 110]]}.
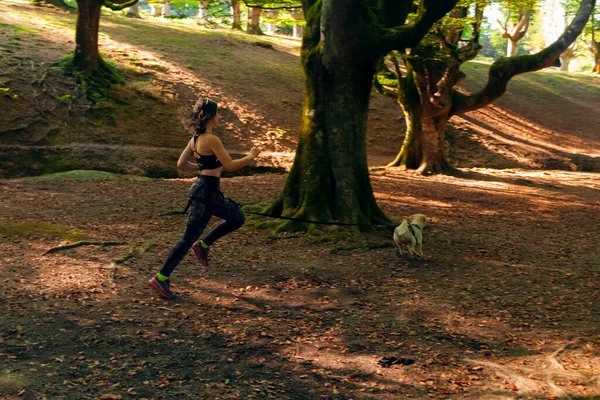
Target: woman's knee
{"points": [[238, 220]]}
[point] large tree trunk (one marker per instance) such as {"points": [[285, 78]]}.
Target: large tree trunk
{"points": [[254, 21], [329, 179], [423, 148], [235, 10], [87, 57], [134, 11]]}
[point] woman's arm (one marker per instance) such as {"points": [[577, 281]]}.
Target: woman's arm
{"points": [[228, 164], [184, 163]]}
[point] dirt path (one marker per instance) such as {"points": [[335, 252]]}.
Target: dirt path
{"points": [[510, 276]]}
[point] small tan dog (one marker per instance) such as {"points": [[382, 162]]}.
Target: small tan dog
{"points": [[408, 236]]}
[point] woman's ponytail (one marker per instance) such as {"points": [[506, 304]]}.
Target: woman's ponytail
{"points": [[203, 111]]}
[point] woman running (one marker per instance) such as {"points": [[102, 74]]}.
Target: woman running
{"points": [[206, 199]]}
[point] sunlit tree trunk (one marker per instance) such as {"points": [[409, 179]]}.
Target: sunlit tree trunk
{"points": [[235, 10], [134, 11], [166, 8], [595, 49], [203, 10], [254, 21]]}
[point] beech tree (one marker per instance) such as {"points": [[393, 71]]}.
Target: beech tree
{"points": [[87, 65], [423, 80], [343, 43], [591, 32], [515, 26]]}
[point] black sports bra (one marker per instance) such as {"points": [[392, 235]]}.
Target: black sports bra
{"points": [[206, 162]]}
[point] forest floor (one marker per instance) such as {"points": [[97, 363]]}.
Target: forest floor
{"points": [[504, 306]]}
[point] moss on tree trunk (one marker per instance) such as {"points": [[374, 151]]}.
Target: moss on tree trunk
{"points": [[329, 180]]}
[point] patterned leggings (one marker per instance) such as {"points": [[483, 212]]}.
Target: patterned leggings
{"points": [[206, 200]]}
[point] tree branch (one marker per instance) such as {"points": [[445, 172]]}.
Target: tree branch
{"points": [[291, 6], [406, 36], [118, 5], [383, 90], [505, 68]]}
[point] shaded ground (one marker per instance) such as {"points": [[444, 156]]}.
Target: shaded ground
{"points": [[510, 278], [504, 306]]}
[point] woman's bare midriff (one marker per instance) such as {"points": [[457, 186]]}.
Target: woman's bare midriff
{"points": [[212, 172]]}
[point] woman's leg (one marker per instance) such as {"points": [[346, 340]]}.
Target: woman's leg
{"points": [[233, 217], [230, 212], [197, 221]]}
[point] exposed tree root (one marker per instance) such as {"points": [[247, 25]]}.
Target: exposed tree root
{"points": [[82, 243], [545, 374]]}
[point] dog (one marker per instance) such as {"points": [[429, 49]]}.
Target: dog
{"points": [[408, 236]]}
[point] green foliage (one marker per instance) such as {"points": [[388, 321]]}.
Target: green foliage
{"points": [[7, 93], [65, 98]]}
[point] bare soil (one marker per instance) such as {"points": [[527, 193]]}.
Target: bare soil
{"points": [[505, 305]]}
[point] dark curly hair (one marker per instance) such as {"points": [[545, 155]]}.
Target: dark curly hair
{"points": [[203, 111]]}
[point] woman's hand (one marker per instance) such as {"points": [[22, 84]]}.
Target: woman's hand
{"points": [[254, 152]]}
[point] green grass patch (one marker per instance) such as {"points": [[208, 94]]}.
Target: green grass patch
{"points": [[41, 230], [83, 175], [19, 29]]}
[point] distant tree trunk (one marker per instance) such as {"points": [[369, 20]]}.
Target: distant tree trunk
{"points": [[595, 49], [254, 21], [298, 15], [235, 10], [203, 10], [271, 14], [166, 8], [134, 11], [511, 48], [87, 57], [567, 57], [426, 115], [517, 32]]}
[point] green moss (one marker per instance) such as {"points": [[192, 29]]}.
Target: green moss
{"points": [[83, 175], [40, 229], [76, 175], [96, 84]]}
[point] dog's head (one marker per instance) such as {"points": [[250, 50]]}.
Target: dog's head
{"points": [[418, 219]]}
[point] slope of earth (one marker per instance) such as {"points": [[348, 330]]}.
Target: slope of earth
{"points": [[546, 120], [503, 307]]}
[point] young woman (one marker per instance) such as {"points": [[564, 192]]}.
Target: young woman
{"points": [[205, 197]]}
